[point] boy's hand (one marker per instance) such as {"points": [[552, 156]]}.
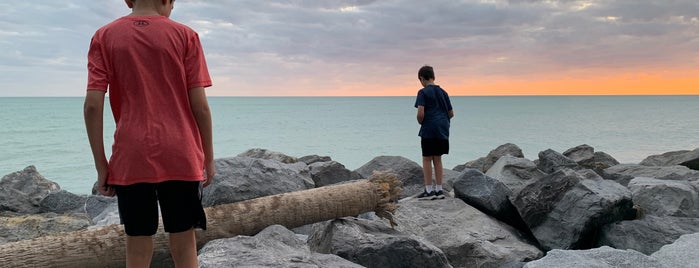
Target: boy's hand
{"points": [[102, 186], [210, 171]]}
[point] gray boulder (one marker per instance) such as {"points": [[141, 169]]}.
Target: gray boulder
{"points": [[331, 172], [243, 178], [488, 195], [62, 202], [623, 173], [102, 210], [467, 236], [551, 161], [685, 158], [409, 172], [665, 198], [603, 257], [269, 155], [22, 191], [681, 253], [473, 164], [516, 173], [274, 247], [567, 208], [648, 234], [373, 244], [586, 157]]}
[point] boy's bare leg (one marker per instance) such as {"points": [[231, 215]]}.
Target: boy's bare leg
{"points": [[438, 169], [183, 248], [427, 169], [139, 251]]}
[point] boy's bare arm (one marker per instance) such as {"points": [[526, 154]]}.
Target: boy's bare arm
{"points": [[420, 114], [202, 114], [93, 109]]}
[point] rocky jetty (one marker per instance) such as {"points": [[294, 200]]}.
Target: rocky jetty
{"points": [[579, 208]]}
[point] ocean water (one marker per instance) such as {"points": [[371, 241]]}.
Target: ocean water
{"points": [[49, 132]]}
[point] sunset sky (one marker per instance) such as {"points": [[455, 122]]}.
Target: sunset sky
{"points": [[375, 47]]}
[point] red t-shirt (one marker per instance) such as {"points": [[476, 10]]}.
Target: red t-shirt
{"points": [[149, 63]]}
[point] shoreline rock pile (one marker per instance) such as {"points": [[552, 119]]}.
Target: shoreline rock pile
{"points": [[579, 208]]}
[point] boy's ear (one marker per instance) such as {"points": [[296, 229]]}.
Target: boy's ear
{"points": [[129, 3]]}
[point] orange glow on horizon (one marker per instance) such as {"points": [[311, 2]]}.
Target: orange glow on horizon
{"points": [[632, 84], [629, 84], [679, 83]]}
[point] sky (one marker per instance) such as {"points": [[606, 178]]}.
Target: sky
{"points": [[375, 47]]}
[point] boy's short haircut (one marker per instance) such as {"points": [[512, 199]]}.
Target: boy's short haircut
{"points": [[426, 72]]}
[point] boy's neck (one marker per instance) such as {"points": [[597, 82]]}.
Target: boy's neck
{"points": [[146, 8]]}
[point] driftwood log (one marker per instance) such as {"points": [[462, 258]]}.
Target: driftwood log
{"points": [[105, 246]]}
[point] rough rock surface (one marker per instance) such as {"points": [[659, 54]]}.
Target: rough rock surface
{"points": [[467, 236], [374, 244], [22, 191], [516, 173], [647, 235], [273, 247], [243, 178], [565, 209], [664, 197], [623, 173]]}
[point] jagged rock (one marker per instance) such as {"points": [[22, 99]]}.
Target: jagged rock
{"points": [[551, 161], [648, 234], [310, 159], [567, 208], [467, 236], [595, 258], [373, 244], [685, 158], [681, 253], [665, 198], [331, 172], [270, 155], [409, 172], [489, 196], [274, 247], [484, 163], [580, 153], [62, 202], [242, 178], [22, 191], [516, 173], [623, 173]]}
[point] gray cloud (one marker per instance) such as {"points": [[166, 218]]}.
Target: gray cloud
{"points": [[265, 47]]}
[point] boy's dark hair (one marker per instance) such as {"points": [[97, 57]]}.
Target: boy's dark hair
{"points": [[426, 72]]}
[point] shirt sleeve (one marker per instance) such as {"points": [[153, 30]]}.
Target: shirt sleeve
{"points": [[195, 64], [97, 77], [449, 108], [420, 100]]}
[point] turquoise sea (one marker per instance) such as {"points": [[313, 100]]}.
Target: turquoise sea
{"points": [[48, 132]]}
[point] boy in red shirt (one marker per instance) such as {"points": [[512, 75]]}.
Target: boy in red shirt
{"points": [[155, 71]]}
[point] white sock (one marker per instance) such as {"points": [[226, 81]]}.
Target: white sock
{"points": [[438, 188], [428, 188]]}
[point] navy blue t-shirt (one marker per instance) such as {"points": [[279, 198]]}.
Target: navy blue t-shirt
{"points": [[437, 105]]}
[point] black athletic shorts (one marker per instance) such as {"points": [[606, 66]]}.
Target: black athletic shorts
{"points": [[434, 147], [180, 205]]}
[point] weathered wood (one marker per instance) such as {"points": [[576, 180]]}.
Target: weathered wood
{"points": [[105, 246]]}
